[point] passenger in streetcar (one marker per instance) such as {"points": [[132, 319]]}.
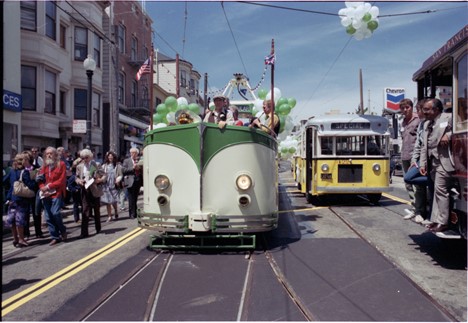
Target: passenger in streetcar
{"points": [[220, 114], [271, 127], [414, 177], [435, 159], [408, 130]]}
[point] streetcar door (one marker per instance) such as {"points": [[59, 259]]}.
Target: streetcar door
{"points": [[310, 134]]}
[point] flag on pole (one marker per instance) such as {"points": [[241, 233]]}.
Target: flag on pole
{"points": [[270, 59], [144, 69]]}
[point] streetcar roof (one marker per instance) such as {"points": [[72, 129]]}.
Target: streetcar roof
{"points": [[349, 124]]}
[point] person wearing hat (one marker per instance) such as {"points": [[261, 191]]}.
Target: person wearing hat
{"points": [[220, 114]]}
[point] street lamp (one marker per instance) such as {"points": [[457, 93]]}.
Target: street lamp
{"points": [[89, 65]]}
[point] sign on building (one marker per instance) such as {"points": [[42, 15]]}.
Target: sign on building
{"points": [[392, 97], [12, 101], [79, 126]]}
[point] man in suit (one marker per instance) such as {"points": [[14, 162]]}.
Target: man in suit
{"points": [[435, 159], [133, 180]]}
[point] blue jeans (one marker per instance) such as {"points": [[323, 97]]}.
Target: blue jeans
{"points": [[414, 177], [52, 207]]}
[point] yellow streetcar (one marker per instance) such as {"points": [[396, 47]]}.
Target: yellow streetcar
{"points": [[343, 154]]}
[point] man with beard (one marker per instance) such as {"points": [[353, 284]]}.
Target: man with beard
{"points": [[52, 191]]}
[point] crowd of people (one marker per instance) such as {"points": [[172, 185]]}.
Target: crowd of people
{"points": [[53, 179], [428, 169]]}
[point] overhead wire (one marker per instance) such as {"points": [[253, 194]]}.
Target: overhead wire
{"points": [[234, 38]]}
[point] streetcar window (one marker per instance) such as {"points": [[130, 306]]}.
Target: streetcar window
{"points": [[461, 114], [353, 145], [326, 145]]}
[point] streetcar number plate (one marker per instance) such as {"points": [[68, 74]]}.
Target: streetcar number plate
{"points": [[326, 176]]}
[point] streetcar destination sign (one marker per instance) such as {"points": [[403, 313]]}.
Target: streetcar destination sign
{"points": [[346, 125]]}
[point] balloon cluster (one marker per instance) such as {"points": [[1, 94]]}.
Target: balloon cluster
{"points": [[287, 147], [283, 107], [165, 112], [359, 19]]}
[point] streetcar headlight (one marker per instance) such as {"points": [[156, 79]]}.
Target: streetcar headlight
{"points": [[243, 182], [376, 167], [325, 168], [162, 182]]}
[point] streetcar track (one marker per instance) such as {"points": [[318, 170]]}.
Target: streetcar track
{"points": [[110, 294], [156, 292], [34, 291]]}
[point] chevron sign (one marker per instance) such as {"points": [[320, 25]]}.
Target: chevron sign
{"points": [[392, 97]]}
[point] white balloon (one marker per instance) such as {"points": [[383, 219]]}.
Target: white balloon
{"points": [[359, 13], [357, 24], [367, 6], [261, 116], [160, 125], [170, 116], [258, 104], [345, 22], [182, 100], [276, 93], [374, 11]]}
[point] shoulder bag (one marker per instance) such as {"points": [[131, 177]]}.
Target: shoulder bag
{"points": [[20, 189]]}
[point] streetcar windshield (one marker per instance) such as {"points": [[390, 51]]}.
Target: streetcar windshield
{"points": [[354, 145]]}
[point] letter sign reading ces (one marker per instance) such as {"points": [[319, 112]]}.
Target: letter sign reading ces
{"points": [[12, 101]]}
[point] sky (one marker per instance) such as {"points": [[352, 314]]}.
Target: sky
{"points": [[317, 62]]}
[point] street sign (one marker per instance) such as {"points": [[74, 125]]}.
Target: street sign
{"points": [[79, 126], [392, 98]]}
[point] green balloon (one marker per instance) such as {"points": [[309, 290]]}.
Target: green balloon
{"points": [[182, 107], [262, 93], [171, 103], [350, 30], [254, 112], [292, 150], [281, 101], [162, 109], [367, 17], [372, 25], [157, 118], [284, 150], [284, 109], [282, 122], [292, 102], [194, 107]]}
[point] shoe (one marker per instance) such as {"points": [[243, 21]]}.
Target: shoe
{"points": [[439, 227], [23, 244], [418, 219], [53, 242], [64, 236], [409, 214], [116, 216], [15, 244], [82, 236], [109, 219], [426, 222]]}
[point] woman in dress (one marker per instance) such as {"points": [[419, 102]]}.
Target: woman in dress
{"points": [[113, 170]]}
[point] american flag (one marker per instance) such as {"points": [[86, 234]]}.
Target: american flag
{"points": [[144, 69], [270, 59]]}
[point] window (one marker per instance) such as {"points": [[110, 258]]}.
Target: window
{"points": [[134, 51], [28, 15], [145, 97], [50, 80], [81, 43], [51, 17], [134, 94], [461, 112], [80, 111], [183, 78], [97, 50], [63, 36], [62, 102], [326, 145], [121, 87], [96, 104], [121, 38], [28, 87]]}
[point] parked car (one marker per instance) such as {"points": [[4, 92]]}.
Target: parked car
{"points": [[396, 167]]}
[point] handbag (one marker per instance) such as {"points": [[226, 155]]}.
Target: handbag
{"points": [[96, 190], [20, 189]]}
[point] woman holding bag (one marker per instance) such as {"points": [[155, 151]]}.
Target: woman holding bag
{"points": [[18, 206], [110, 197]]}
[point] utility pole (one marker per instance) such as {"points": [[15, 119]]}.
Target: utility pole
{"points": [[360, 92]]}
